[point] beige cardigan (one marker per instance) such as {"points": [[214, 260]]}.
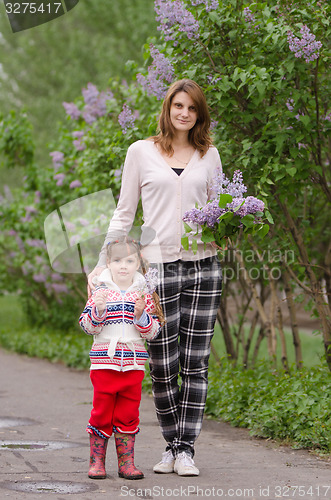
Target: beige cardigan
{"points": [[165, 197]]}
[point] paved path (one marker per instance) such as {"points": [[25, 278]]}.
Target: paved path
{"points": [[55, 401]]}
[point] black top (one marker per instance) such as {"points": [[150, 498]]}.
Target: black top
{"points": [[178, 170]]}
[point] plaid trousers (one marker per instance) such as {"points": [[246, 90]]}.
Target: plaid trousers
{"points": [[190, 294]]}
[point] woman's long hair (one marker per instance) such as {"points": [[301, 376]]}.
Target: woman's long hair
{"points": [[199, 135], [131, 247]]}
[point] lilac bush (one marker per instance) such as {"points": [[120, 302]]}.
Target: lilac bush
{"points": [[160, 74], [126, 118], [209, 4], [307, 47], [173, 18]]}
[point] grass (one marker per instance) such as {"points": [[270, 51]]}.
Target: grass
{"points": [[312, 347]]}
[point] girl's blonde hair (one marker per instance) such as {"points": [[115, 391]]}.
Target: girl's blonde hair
{"points": [[199, 135], [132, 246]]}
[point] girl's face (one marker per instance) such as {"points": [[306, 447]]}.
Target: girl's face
{"points": [[122, 266], [183, 113]]}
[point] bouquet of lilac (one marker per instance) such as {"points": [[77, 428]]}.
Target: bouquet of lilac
{"points": [[226, 214]]}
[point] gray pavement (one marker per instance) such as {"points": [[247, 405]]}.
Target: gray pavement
{"points": [[44, 448]]}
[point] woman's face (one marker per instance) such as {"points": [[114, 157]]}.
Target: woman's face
{"points": [[183, 113]]}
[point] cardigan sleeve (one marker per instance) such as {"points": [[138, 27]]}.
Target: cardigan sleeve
{"points": [[90, 321], [152, 328], [125, 212], [216, 170]]}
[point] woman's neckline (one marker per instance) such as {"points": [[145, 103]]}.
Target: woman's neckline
{"points": [[171, 167]]}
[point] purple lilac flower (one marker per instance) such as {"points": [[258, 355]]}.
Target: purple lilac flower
{"points": [[213, 79], [80, 146], [172, 16], [95, 103], [56, 277], [249, 16], [251, 206], [210, 4], [307, 47], [59, 287], [27, 218], [71, 110], [90, 94], [84, 222], [57, 158], [75, 184], [210, 213], [289, 104], [39, 278], [160, 71], [78, 134], [59, 178], [36, 243], [213, 124], [221, 184], [37, 196], [30, 210], [126, 118], [152, 280], [328, 117]]}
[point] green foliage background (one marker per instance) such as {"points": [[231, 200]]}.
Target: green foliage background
{"points": [[249, 76]]}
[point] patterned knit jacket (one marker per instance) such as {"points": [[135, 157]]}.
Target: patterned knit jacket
{"points": [[118, 340]]}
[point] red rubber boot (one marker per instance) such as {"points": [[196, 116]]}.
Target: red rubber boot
{"points": [[125, 454], [98, 447]]}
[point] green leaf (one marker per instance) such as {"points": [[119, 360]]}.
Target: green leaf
{"points": [[185, 242], [263, 231], [194, 246], [207, 235], [292, 171], [269, 216], [224, 200], [187, 228]]}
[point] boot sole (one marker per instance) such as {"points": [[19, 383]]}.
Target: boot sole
{"points": [[130, 477], [97, 477]]}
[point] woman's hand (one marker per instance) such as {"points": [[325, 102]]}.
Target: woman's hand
{"points": [[214, 244], [90, 286], [139, 307]]}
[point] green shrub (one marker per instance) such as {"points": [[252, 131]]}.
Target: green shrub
{"points": [[294, 407]]}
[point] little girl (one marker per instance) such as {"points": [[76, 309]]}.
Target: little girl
{"points": [[120, 315]]}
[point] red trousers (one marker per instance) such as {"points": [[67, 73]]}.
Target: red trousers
{"points": [[116, 401]]}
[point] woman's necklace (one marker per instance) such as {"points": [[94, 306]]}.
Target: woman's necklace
{"points": [[180, 161]]}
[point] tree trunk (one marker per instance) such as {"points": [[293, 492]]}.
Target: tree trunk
{"points": [[293, 319]]}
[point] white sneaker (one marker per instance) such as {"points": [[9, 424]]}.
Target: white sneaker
{"points": [[184, 465], [167, 463]]}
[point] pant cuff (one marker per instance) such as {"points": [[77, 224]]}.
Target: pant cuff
{"points": [[121, 431], [93, 430]]}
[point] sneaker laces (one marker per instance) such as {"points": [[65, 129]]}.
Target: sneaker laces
{"points": [[167, 456], [186, 459]]}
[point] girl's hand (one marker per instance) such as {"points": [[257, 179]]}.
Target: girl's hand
{"points": [[90, 286], [100, 301], [139, 307]]}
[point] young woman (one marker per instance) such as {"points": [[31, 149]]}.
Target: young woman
{"points": [[172, 172]]}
